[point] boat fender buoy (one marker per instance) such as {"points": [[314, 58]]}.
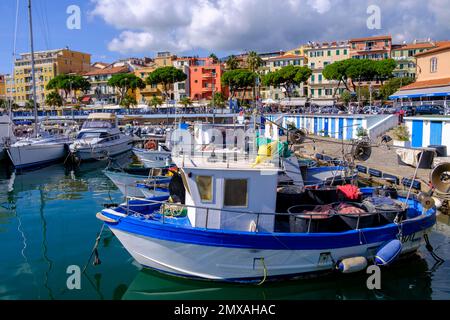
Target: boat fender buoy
{"points": [[388, 253], [351, 265]]}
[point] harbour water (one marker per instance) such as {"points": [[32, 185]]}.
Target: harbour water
{"points": [[48, 223]]}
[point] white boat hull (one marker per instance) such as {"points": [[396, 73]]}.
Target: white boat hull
{"points": [[153, 159], [238, 264], [101, 151], [34, 155], [126, 183]]}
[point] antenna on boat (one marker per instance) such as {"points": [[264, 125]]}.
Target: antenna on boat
{"points": [[33, 69]]}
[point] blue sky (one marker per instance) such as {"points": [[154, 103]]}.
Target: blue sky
{"points": [[111, 29]]}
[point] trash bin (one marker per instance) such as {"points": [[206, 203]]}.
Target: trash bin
{"points": [[427, 158], [441, 151]]}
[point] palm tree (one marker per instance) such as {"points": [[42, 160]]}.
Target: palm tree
{"points": [[214, 58], [54, 99], [186, 102], [254, 61], [155, 102], [232, 62]]}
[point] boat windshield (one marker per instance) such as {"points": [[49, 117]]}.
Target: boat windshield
{"points": [[98, 124], [89, 135]]}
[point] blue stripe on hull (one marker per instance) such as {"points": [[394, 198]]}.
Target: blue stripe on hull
{"points": [[37, 165], [269, 241]]}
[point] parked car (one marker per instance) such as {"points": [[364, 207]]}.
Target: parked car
{"points": [[408, 110], [429, 110]]}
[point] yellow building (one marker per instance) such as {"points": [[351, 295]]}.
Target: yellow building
{"points": [[2, 86], [48, 64], [320, 55], [144, 96]]}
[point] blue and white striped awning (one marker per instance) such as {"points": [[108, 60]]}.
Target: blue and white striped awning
{"points": [[422, 93]]}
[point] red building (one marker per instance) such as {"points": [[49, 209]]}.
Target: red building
{"points": [[204, 79]]}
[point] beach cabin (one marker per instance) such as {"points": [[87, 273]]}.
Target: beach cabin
{"points": [[429, 130]]}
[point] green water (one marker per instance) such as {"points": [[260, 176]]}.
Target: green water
{"points": [[47, 223]]}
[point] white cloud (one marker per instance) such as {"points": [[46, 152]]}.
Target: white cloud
{"points": [[238, 25]]}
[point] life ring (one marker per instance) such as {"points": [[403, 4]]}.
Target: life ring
{"points": [[150, 145]]}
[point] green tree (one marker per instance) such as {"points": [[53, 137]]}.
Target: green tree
{"points": [[128, 101], [30, 104], [124, 82], [155, 102], [337, 71], [186, 102], [391, 86], [288, 77], [214, 58], [384, 69], [53, 99], [232, 63], [254, 61], [166, 76], [239, 79], [3, 103], [68, 84], [218, 100], [346, 97]]}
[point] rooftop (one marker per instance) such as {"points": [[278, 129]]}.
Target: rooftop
{"points": [[427, 84], [442, 46], [112, 70], [371, 38]]}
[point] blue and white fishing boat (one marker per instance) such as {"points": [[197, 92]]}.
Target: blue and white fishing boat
{"points": [[228, 227]]}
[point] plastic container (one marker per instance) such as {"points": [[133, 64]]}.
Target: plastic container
{"points": [[427, 158], [301, 222], [441, 151]]}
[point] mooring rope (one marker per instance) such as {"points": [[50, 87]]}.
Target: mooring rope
{"points": [[265, 272], [95, 250], [431, 250]]}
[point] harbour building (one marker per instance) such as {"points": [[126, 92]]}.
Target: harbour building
{"points": [[48, 64], [205, 79], [2, 87]]}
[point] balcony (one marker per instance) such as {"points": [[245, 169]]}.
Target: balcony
{"points": [[371, 49]]}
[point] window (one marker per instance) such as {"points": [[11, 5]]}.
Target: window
{"points": [[329, 53], [319, 92], [312, 92], [338, 52], [433, 65], [236, 193], [313, 65], [345, 51], [328, 92], [204, 185], [313, 77], [320, 77]]}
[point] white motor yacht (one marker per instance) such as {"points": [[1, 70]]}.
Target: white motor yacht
{"points": [[6, 134], [99, 138]]}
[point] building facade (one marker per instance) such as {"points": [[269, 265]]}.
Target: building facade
{"points": [[433, 79], [374, 48], [101, 93], [48, 64], [205, 79], [405, 56], [321, 90], [275, 63], [183, 89], [2, 87]]}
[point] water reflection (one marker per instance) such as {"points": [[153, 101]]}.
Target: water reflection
{"points": [[399, 282]]}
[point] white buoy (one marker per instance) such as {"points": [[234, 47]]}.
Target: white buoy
{"points": [[351, 265]]}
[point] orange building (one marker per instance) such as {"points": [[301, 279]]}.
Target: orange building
{"points": [[375, 48], [205, 77]]}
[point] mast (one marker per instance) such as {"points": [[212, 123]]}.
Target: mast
{"points": [[32, 70]]}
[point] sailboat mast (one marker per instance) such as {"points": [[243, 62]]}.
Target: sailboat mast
{"points": [[33, 70]]}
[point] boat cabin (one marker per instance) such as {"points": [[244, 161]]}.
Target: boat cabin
{"points": [[100, 121], [230, 196]]}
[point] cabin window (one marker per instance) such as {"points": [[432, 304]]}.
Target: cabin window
{"points": [[236, 193], [205, 188]]}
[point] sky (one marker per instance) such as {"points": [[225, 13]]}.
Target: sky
{"points": [[113, 29]]}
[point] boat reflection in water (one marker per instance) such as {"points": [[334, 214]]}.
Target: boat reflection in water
{"points": [[400, 282]]}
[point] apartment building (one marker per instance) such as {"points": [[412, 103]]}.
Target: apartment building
{"points": [[277, 62], [48, 64], [321, 90], [405, 56], [205, 79], [2, 87], [374, 48]]}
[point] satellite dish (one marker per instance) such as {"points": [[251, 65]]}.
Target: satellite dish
{"points": [[361, 151], [298, 136], [440, 178]]}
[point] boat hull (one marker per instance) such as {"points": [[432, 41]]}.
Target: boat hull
{"points": [[37, 155], [100, 151], [241, 264], [153, 159]]}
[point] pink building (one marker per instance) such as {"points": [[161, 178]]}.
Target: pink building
{"points": [[375, 48]]}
